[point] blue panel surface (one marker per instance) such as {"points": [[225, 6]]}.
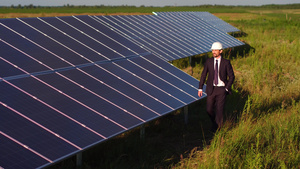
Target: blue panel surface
{"points": [[14, 155], [182, 34], [97, 40], [89, 101], [208, 20], [175, 71], [140, 83], [42, 40], [160, 83], [160, 28], [65, 123], [8, 69], [66, 36], [216, 22], [124, 46], [33, 136], [156, 37], [18, 50], [102, 93], [169, 78], [126, 88], [65, 103], [137, 37], [190, 29]]}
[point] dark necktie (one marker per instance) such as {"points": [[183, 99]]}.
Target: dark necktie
{"points": [[216, 73]]}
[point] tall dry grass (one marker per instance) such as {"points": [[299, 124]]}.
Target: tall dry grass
{"points": [[271, 141]]}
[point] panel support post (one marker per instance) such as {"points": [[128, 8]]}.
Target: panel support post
{"points": [[186, 114], [190, 60], [79, 159], [142, 132]]}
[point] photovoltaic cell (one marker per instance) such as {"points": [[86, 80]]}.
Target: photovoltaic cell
{"points": [[68, 83]]}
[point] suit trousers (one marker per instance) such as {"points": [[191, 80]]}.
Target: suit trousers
{"points": [[215, 106]]}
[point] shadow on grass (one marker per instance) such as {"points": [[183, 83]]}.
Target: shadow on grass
{"points": [[239, 51], [239, 34]]}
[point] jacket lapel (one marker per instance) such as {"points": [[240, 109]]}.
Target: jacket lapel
{"points": [[222, 71]]}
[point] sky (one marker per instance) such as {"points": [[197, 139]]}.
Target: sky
{"points": [[143, 2]]}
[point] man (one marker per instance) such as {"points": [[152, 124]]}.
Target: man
{"points": [[220, 77]]}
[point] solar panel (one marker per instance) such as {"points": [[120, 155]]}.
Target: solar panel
{"points": [[207, 17], [164, 30], [41, 100], [68, 83], [216, 22], [169, 36], [202, 30], [136, 35], [166, 83]]}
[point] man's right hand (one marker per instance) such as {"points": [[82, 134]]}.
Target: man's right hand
{"points": [[200, 93]]}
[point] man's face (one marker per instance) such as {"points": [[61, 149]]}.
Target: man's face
{"points": [[216, 53]]}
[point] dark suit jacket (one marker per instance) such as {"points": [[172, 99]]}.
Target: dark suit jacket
{"points": [[226, 75]]}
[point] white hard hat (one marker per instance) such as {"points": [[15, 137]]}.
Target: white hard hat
{"points": [[216, 46]]}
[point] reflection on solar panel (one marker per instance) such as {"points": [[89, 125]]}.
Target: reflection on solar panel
{"points": [[207, 17], [68, 83]]}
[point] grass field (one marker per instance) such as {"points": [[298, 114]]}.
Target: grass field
{"points": [[263, 113], [267, 131]]}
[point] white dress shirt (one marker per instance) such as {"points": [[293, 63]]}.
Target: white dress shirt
{"points": [[220, 82]]}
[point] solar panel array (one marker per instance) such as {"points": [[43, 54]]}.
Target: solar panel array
{"points": [[68, 83], [170, 35]]}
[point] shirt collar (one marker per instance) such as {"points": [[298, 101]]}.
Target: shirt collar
{"points": [[218, 59]]}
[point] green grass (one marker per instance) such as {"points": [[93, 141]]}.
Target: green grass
{"points": [[271, 141], [267, 134]]}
